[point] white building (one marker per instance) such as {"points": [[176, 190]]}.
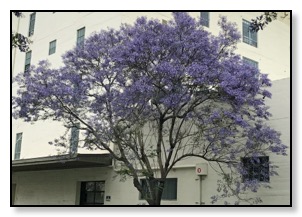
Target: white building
{"points": [[41, 177]]}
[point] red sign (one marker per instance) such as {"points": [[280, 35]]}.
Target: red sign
{"points": [[201, 169]]}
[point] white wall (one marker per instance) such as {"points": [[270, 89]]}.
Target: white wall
{"points": [[272, 55], [60, 187], [280, 121]]}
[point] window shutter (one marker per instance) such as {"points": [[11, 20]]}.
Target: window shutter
{"points": [[27, 60], [254, 38], [249, 37], [80, 36], [52, 47], [32, 24], [74, 139], [18, 146], [245, 27], [205, 18], [27, 57]]}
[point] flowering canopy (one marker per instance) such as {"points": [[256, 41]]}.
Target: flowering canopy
{"points": [[160, 93]]}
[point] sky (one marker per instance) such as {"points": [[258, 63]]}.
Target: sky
{"points": [[5, 86]]}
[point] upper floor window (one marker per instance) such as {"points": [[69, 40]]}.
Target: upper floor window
{"points": [[205, 18], [256, 168], [52, 47], [249, 37], [27, 61], [32, 24], [80, 36], [18, 146], [170, 189]]}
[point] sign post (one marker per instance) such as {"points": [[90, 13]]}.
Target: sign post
{"points": [[201, 170]]}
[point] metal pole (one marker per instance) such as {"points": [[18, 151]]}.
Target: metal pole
{"points": [[200, 190]]}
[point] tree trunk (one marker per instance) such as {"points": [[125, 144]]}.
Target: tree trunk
{"points": [[155, 190]]}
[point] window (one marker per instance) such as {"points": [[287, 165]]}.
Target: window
{"points": [[92, 193], [170, 189], [52, 47], [249, 37], [80, 36], [32, 24], [74, 139], [256, 168], [18, 146], [250, 62], [27, 61], [205, 18]]}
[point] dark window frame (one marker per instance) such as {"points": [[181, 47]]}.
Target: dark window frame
{"points": [[32, 21], [256, 168], [52, 47], [248, 36], [165, 195], [85, 192]]}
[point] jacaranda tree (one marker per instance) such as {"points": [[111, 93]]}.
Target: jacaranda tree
{"points": [[153, 94]]}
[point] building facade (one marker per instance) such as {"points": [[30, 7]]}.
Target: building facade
{"points": [[43, 175]]}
